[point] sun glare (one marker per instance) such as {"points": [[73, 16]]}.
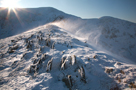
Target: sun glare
{"points": [[11, 4]]}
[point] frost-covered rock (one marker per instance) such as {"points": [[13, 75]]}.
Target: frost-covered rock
{"points": [[82, 73], [49, 65]]}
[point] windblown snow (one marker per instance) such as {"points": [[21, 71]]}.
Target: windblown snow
{"points": [[46, 49]]}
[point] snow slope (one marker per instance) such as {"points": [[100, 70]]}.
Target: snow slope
{"points": [[64, 52], [25, 57], [112, 34], [23, 19], [107, 33]]}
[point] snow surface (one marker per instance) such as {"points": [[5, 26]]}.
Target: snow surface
{"points": [[64, 52]]}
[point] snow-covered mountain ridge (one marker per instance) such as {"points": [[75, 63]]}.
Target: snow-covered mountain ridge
{"points": [[65, 52], [48, 58], [112, 34], [20, 20]]}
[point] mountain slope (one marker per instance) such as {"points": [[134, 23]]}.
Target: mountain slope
{"points": [[48, 49], [112, 34], [49, 58], [23, 19], [108, 33]]}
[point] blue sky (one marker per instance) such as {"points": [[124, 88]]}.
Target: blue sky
{"points": [[123, 9]]}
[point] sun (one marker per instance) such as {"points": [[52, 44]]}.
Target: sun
{"points": [[11, 4]]}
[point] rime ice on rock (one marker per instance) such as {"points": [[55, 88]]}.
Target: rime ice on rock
{"points": [[82, 73], [49, 65]]}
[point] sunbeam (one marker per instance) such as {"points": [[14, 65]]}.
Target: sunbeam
{"points": [[11, 5], [8, 13], [17, 16]]}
